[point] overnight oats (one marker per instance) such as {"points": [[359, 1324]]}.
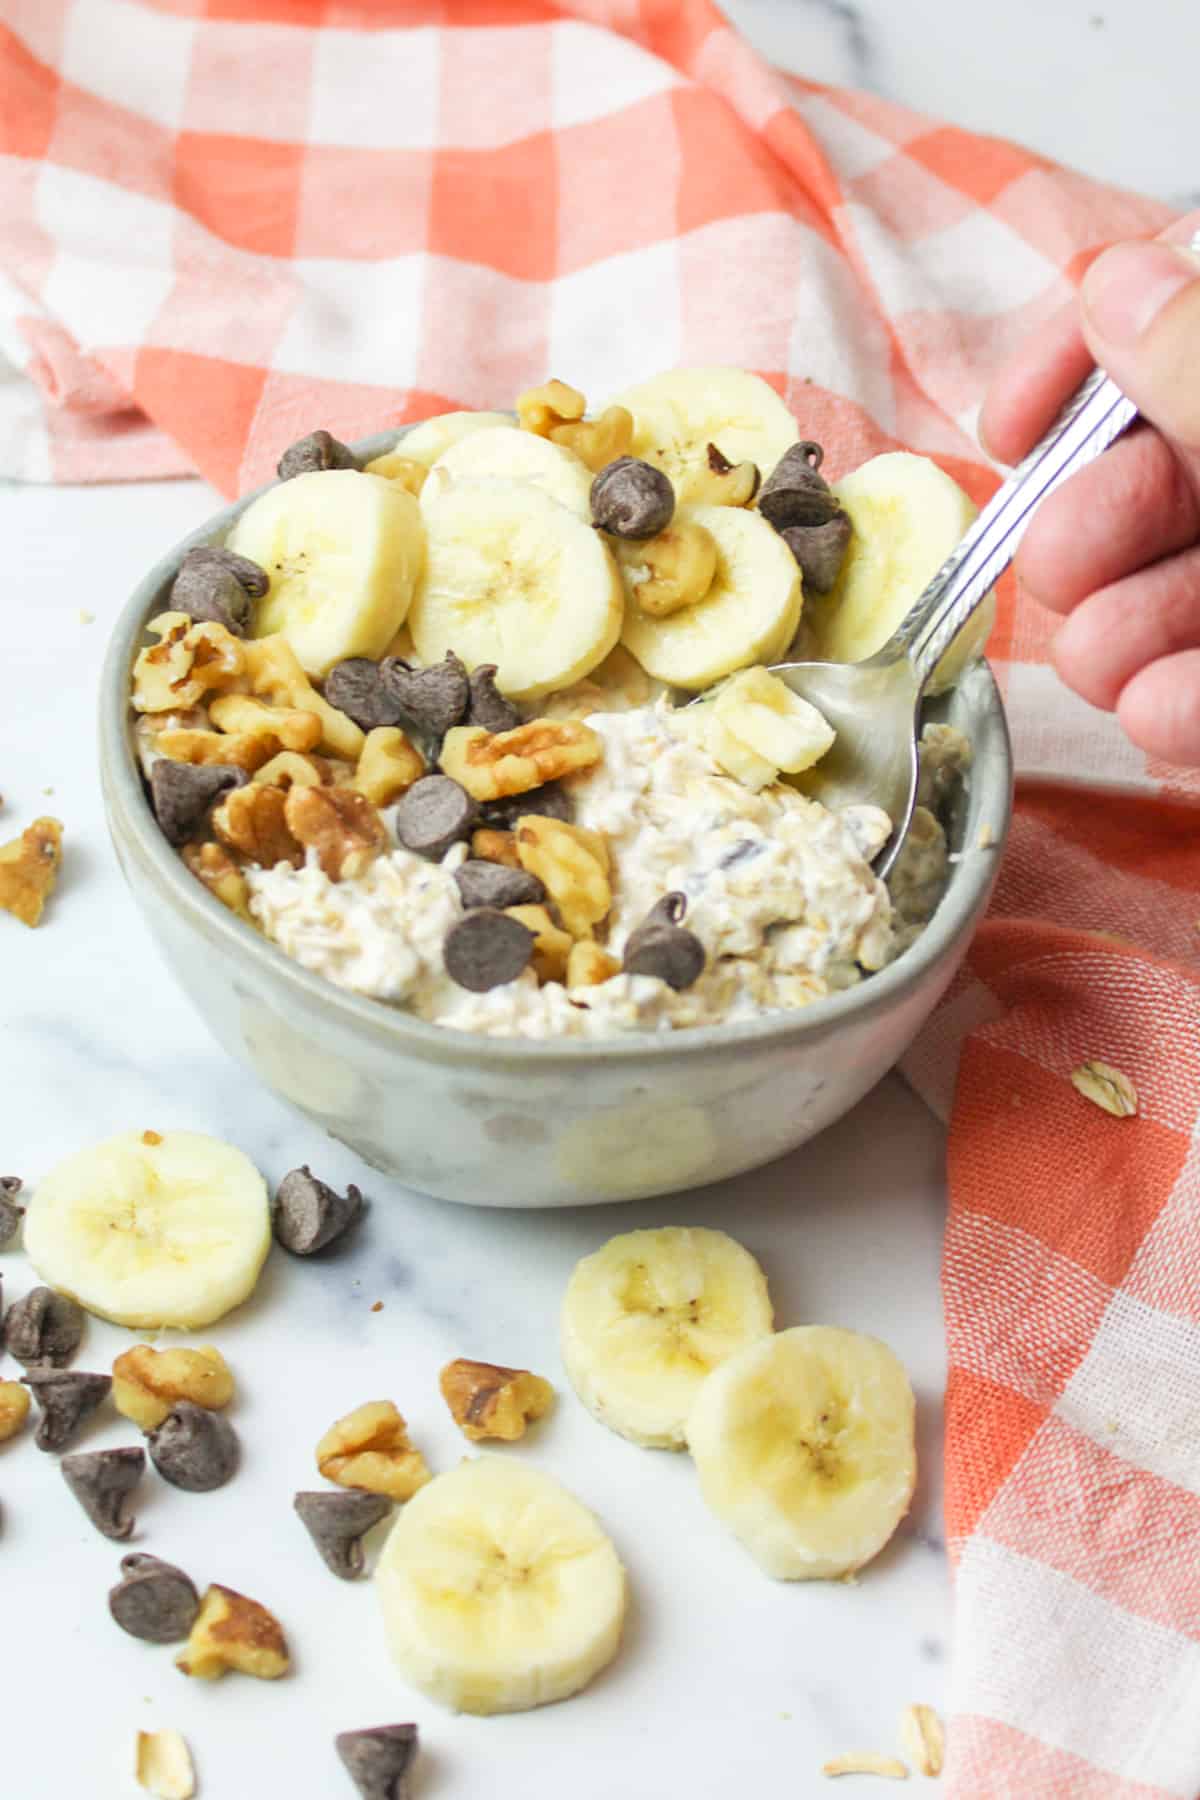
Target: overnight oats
{"points": [[484, 728]]}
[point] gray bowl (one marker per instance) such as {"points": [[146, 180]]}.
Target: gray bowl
{"points": [[510, 1122]]}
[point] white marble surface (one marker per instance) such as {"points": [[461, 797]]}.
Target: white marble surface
{"points": [[725, 1679]]}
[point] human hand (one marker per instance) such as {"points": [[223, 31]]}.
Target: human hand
{"points": [[1116, 550]]}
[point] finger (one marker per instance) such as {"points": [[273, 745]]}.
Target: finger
{"points": [[1160, 709], [1141, 321], [1025, 396], [1114, 634], [1132, 506]]}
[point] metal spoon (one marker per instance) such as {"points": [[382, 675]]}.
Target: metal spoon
{"points": [[875, 706]]}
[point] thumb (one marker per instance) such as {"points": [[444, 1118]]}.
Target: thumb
{"points": [[1141, 319]]}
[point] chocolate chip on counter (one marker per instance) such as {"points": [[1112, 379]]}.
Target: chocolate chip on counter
{"points": [[820, 550], [664, 948], [433, 815], [319, 450], [336, 1523], [485, 949], [357, 688], [218, 585], [795, 492], [487, 706], [154, 1600], [66, 1398], [44, 1329], [10, 1213], [494, 884], [102, 1481], [378, 1761], [193, 1448], [181, 793], [632, 499], [308, 1214], [433, 699], [550, 801]]}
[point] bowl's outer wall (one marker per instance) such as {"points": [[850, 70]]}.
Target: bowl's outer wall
{"points": [[490, 1124]]}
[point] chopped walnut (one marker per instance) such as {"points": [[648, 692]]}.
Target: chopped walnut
{"points": [[293, 769], [148, 1382], [341, 826], [496, 846], [215, 867], [572, 864], [551, 944], [599, 441], [540, 409], [29, 868], [188, 662], [489, 1401], [276, 675], [369, 1449], [492, 765], [247, 750], [14, 1408], [232, 1632], [164, 1765], [723, 483], [388, 766], [253, 821], [588, 965], [670, 571], [402, 471], [241, 713]]}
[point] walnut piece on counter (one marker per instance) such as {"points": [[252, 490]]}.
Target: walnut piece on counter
{"points": [[148, 1382], [487, 1400], [29, 868], [233, 1632], [369, 1449]]}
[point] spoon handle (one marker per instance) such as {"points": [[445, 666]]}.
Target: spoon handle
{"points": [[1095, 414]]}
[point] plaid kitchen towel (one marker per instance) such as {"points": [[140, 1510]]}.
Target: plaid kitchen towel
{"points": [[223, 222]]}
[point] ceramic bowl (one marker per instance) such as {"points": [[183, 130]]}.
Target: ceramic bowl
{"points": [[509, 1122]]}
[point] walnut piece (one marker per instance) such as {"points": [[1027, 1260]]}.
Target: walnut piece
{"points": [[148, 1382], [1106, 1087], [388, 766], [163, 1765], [588, 965], [492, 765], [188, 662], [340, 825], [215, 867], [276, 675], [551, 945], [241, 713], [723, 483], [29, 868], [369, 1449], [291, 768], [489, 1401], [572, 864], [14, 1408], [253, 821], [540, 409], [670, 571], [247, 750], [403, 471], [232, 1632], [495, 846], [597, 442], [924, 1739]]}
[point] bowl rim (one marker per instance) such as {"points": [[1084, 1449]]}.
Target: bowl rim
{"points": [[128, 811]]}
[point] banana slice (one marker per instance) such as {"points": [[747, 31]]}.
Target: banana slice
{"points": [[645, 1318], [749, 614], [676, 417], [515, 579], [804, 1447], [907, 515], [152, 1230], [500, 1592], [425, 442], [344, 551], [777, 725], [512, 455]]}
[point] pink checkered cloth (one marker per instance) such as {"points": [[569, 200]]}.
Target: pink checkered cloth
{"points": [[223, 222]]}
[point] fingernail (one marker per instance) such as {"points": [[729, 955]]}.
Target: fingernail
{"points": [[1128, 286]]}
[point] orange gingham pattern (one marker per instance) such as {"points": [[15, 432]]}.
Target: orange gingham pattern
{"points": [[225, 221]]}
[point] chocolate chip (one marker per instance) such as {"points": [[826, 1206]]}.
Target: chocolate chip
{"points": [[378, 1761], [820, 550], [493, 884], [337, 1522], [44, 1329], [550, 801], [102, 1481], [795, 492], [194, 1448], [10, 1213], [218, 585], [154, 1600], [245, 571], [664, 948], [433, 699], [319, 450], [487, 706], [433, 815], [632, 499], [357, 688], [486, 949], [308, 1214], [66, 1399], [181, 793]]}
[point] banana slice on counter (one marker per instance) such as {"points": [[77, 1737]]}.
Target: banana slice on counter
{"points": [[513, 578], [676, 417], [749, 614], [500, 1591], [908, 515], [425, 442], [150, 1229], [648, 1316], [344, 552], [512, 455], [804, 1447]]}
